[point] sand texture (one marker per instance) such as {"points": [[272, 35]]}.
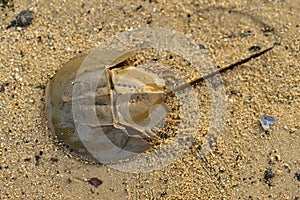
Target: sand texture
{"points": [[245, 163]]}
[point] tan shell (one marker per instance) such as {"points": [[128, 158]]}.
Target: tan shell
{"points": [[144, 89]]}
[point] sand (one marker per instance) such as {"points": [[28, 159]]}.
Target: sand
{"points": [[245, 163]]}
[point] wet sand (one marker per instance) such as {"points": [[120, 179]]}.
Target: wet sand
{"points": [[246, 163]]}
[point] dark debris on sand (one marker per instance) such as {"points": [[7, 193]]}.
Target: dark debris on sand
{"points": [[23, 19]]}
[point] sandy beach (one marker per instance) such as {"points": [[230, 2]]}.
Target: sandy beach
{"points": [[244, 163]]}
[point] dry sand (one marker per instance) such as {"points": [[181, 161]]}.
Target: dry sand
{"points": [[237, 166]]}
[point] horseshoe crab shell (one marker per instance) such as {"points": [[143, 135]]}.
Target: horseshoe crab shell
{"points": [[123, 102]]}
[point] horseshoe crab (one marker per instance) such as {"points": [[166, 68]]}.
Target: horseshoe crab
{"points": [[122, 124], [124, 100]]}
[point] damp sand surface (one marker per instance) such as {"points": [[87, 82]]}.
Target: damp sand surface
{"points": [[245, 162]]}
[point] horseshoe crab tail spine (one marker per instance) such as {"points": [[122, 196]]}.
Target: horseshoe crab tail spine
{"points": [[222, 70]]}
